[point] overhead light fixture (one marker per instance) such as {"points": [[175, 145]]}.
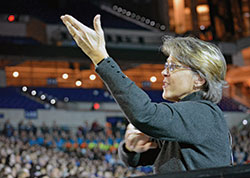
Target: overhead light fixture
{"points": [[204, 8], [78, 83], [43, 97], [92, 77], [15, 74], [65, 76], [53, 101], [153, 79], [24, 88], [33, 92]]}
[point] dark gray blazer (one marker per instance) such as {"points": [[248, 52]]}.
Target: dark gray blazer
{"points": [[191, 134]]}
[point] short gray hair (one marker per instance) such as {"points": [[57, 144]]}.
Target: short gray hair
{"points": [[203, 57]]}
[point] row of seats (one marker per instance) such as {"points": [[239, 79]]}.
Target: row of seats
{"points": [[12, 97], [18, 40], [79, 94]]}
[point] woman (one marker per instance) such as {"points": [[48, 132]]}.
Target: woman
{"points": [[189, 133]]}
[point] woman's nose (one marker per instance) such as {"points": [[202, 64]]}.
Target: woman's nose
{"points": [[165, 73]]}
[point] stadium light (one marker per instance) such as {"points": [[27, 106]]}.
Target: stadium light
{"points": [[153, 79], [78, 83], [92, 77], [244, 122], [65, 76], [43, 97], [24, 88], [53, 101], [15, 74], [33, 92]]}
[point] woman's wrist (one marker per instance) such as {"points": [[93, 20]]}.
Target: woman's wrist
{"points": [[98, 58]]}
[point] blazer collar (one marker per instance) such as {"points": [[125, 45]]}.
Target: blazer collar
{"points": [[193, 96]]}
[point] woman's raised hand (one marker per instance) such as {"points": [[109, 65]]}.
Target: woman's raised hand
{"points": [[91, 41]]}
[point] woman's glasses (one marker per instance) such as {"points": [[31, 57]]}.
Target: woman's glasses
{"points": [[170, 67]]}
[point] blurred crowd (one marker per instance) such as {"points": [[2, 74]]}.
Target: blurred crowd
{"points": [[241, 144], [89, 151], [56, 152]]}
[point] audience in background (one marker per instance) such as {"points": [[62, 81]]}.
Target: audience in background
{"points": [[90, 151], [31, 151], [241, 144]]}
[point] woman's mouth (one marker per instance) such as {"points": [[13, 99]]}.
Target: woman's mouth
{"points": [[165, 84]]}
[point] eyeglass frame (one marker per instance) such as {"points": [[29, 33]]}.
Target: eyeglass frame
{"points": [[169, 68]]}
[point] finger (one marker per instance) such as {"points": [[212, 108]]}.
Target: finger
{"points": [[136, 139], [130, 129], [75, 23], [71, 29], [130, 140], [130, 126], [97, 24], [127, 133], [152, 145], [128, 144]]}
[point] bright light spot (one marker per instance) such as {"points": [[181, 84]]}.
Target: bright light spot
{"points": [[15, 74], [152, 23], [43, 97], [65, 76], [147, 21], [11, 18], [244, 122], [24, 88], [96, 106], [153, 79], [128, 13], [33, 92], [53, 101], [78, 83], [202, 27], [202, 8], [92, 77], [162, 27]]}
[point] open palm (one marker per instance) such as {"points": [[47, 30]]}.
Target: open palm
{"points": [[91, 41]]}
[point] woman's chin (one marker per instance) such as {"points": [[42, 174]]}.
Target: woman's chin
{"points": [[168, 98]]}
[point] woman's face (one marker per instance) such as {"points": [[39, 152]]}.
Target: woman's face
{"points": [[177, 83]]}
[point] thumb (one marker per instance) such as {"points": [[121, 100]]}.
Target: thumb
{"points": [[97, 23], [149, 145], [152, 145]]}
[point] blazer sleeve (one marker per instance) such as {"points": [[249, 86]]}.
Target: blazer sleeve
{"points": [[168, 121]]}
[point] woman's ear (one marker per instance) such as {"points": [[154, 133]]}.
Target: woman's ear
{"points": [[198, 81]]}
